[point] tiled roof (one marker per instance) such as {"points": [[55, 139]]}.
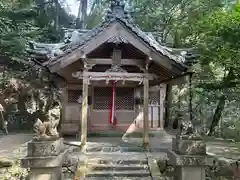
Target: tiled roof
{"points": [[76, 38]]}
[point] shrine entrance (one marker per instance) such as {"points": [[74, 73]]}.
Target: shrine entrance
{"points": [[122, 111], [115, 78], [116, 54], [114, 104]]}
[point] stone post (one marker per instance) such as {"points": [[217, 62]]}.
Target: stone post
{"points": [[44, 158], [188, 156]]}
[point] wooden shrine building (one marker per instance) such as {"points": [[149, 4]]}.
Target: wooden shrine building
{"points": [[115, 62]]}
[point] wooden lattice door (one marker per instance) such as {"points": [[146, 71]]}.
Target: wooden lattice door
{"points": [[124, 98], [102, 104], [74, 107]]}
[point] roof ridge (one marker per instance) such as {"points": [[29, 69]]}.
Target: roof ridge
{"points": [[117, 10]]}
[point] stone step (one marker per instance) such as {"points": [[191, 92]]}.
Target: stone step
{"points": [[134, 157], [122, 167], [125, 155], [163, 178], [114, 149], [117, 162], [118, 178], [138, 173]]}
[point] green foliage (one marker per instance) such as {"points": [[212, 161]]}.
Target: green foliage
{"points": [[96, 14], [216, 36], [213, 27], [21, 82], [210, 25], [24, 20], [217, 72], [15, 28], [174, 20]]}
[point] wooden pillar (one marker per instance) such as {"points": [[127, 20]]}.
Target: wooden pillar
{"points": [[64, 101], [162, 106], [145, 112], [84, 111], [168, 104]]}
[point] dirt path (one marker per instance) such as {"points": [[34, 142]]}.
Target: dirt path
{"points": [[10, 143], [225, 150]]}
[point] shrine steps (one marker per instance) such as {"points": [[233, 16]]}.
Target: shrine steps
{"points": [[129, 173], [118, 178], [117, 166], [112, 170]]}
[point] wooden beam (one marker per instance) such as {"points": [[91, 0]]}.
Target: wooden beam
{"points": [[116, 79], [175, 78], [118, 84], [107, 61], [113, 76], [145, 112]]}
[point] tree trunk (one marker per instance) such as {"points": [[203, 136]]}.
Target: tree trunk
{"points": [[78, 20], [217, 114], [176, 40], [57, 8], [22, 99], [82, 14]]}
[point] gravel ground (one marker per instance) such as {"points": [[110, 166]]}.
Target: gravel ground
{"points": [[14, 147]]}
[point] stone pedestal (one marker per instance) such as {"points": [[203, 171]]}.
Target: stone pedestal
{"points": [[188, 156], [44, 159]]}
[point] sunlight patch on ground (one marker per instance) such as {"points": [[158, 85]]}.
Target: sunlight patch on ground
{"points": [[73, 143], [133, 127]]}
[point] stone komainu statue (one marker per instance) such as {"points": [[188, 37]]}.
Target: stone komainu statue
{"points": [[47, 130]]}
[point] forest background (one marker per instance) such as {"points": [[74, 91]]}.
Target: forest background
{"points": [[211, 27]]}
